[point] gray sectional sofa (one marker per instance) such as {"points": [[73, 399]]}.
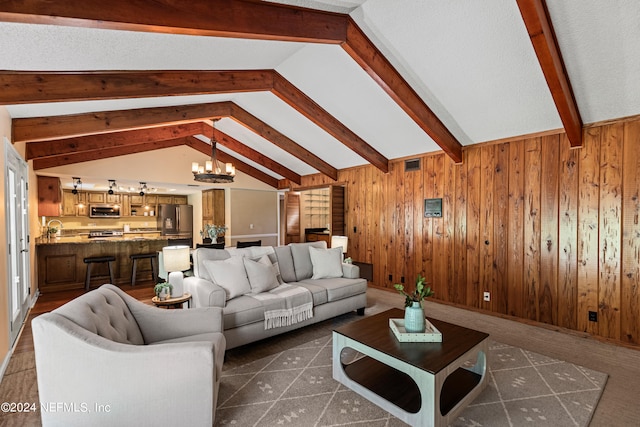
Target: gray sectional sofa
{"points": [[308, 270]]}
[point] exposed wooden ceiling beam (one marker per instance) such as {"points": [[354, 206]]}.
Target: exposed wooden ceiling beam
{"points": [[536, 19], [314, 112], [27, 87], [86, 156], [205, 148], [365, 53], [74, 125], [110, 140], [34, 87], [243, 19], [221, 18], [251, 154], [256, 125], [55, 127]]}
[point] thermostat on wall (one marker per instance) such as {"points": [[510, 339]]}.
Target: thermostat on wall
{"points": [[433, 208]]}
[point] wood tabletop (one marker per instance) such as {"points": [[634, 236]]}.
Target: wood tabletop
{"points": [[374, 332], [171, 301]]}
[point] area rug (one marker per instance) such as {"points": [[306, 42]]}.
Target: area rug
{"points": [[296, 388]]}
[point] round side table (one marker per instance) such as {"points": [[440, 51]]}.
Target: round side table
{"points": [[173, 302]]}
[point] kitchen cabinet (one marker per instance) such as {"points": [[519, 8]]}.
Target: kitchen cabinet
{"points": [[181, 200], [113, 198], [165, 200], [213, 207], [125, 208], [77, 205], [49, 196], [97, 197], [74, 204]]}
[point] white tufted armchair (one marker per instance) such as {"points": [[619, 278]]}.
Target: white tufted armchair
{"points": [[106, 359]]}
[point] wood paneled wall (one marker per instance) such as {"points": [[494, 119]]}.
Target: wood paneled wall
{"points": [[551, 232]]}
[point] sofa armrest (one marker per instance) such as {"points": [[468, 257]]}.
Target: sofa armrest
{"points": [[157, 324], [71, 361], [350, 271], [205, 293]]}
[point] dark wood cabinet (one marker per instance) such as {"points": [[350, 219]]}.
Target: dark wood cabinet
{"points": [[213, 207], [49, 196]]}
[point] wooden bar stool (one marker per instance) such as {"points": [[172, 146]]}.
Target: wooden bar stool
{"points": [[135, 258], [97, 259]]}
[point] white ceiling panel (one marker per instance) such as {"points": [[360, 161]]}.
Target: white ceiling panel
{"points": [[471, 61], [55, 48], [328, 75], [258, 143], [279, 115], [600, 44]]}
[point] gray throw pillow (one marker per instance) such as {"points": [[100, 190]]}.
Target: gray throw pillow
{"points": [[262, 276], [230, 275], [327, 263]]}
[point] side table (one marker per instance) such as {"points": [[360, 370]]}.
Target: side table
{"points": [[173, 302]]}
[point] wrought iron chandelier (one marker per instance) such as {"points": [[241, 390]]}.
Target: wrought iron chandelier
{"points": [[211, 172]]}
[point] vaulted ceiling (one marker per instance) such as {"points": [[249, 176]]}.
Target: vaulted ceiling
{"points": [[332, 85]]}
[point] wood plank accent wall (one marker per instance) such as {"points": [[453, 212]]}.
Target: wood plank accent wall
{"points": [[552, 232]]}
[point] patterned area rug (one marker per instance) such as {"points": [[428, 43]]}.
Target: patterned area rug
{"points": [[296, 388]]}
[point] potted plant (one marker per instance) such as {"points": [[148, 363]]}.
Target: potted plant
{"points": [[414, 312], [163, 290], [215, 232]]}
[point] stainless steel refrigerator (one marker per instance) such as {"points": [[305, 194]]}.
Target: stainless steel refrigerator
{"points": [[175, 221]]}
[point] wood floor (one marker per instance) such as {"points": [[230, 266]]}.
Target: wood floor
{"points": [[618, 405]]}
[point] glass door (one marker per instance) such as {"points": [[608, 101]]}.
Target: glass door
{"points": [[17, 220]]}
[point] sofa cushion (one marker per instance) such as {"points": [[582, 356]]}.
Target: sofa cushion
{"points": [[302, 259], [339, 288], [104, 313], [285, 263], [230, 275], [202, 254], [318, 293], [242, 311], [327, 263], [262, 275]]}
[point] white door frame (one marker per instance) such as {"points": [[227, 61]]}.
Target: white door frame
{"points": [[17, 228]]}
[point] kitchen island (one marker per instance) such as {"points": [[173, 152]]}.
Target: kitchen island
{"points": [[60, 263]]}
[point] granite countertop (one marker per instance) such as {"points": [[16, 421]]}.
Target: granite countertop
{"points": [[85, 240]]}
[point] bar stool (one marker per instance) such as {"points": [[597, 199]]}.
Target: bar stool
{"points": [[135, 258], [97, 259]]}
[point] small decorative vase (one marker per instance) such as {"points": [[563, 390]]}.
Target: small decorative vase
{"points": [[414, 318], [163, 294]]}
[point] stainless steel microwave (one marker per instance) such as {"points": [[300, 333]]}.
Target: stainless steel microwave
{"points": [[104, 211]]}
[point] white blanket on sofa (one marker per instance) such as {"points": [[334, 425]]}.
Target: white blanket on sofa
{"points": [[285, 305]]}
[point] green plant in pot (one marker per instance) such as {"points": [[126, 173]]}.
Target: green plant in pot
{"points": [[414, 312], [214, 232], [163, 290]]}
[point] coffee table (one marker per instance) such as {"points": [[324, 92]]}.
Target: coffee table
{"points": [[423, 384]]}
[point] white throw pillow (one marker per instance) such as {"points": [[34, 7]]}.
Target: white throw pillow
{"points": [[327, 263], [230, 275], [262, 276]]}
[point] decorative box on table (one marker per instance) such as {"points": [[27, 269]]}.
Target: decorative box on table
{"points": [[431, 333]]}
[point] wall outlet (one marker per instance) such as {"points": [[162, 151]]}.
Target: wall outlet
{"points": [[593, 316], [251, 226], [487, 296]]}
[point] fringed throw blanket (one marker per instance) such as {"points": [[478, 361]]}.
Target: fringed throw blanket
{"points": [[285, 305]]}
